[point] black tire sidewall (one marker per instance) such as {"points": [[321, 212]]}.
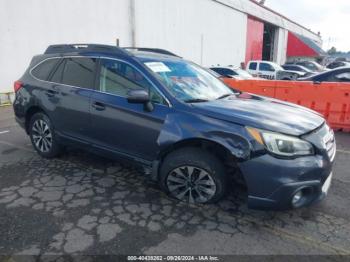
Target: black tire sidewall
{"points": [[199, 158], [55, 148]]}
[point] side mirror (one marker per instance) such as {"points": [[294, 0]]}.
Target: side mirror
{"points": [[317, 82], [140, 96]]}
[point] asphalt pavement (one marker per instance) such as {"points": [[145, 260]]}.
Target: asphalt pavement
{"points": [[83, 204]]}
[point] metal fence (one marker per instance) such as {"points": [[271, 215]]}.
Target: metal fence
{"points": [[6, 98]]}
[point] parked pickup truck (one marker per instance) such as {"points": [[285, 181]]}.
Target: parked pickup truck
{"points": [[272, 71]]}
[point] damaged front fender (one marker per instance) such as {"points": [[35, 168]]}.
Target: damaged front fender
{"points": [[191, 126]]}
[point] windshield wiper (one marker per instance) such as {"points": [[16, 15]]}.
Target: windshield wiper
{"points": [[225, 95], [195, 100]]}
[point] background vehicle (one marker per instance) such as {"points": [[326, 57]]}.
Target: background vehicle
{"points": [[270, 70], [311, 65], [185, 127], [298, 68], [232, 72], [336, 75], [337, 64]]}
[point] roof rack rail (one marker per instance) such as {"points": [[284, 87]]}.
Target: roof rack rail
{"points": [[70, 48], [153, 50]]}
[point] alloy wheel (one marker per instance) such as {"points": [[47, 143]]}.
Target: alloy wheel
{"points": [[42, 136], [191, 184]]}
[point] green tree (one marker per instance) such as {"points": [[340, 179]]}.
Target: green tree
{"points": [[332, 51]]}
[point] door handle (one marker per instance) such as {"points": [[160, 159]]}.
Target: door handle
{"points": [[98, 106], [51, 93]]}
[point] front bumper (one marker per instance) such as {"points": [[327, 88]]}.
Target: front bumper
{"points": [[272, 182]]}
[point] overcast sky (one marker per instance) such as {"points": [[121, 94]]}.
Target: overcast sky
{"points": [[330, 17]]}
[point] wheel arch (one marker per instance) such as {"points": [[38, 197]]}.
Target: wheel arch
{"points": [[194, 142], [222, 152], [29, 113]]}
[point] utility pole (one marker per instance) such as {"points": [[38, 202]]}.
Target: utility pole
{"points": [[132, 22]]}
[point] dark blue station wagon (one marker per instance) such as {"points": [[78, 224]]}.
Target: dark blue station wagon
{"points": [[185, 127]]}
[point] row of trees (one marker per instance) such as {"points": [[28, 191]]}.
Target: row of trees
{"points": [[334, 51]]}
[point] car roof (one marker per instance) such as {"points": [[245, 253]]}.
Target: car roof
{"points": [[262, 61], [109, 51], [226, 67], [145, 55], [339, 68], [329, 72], [303, 62], [301, 66]]}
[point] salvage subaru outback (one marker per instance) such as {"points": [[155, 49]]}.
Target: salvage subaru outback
{"points": [[186, 128]]}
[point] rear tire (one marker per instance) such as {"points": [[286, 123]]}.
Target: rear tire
{"points": [[42, 136], [193, 175]]}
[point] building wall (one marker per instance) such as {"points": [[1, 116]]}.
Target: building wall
{"points": [[27, 27], [203, 31], [297, 48], [209, 32], [252, 8], [281, 41]]}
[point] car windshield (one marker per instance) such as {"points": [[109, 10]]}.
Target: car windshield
{"points": [[189, 82], [317, 65], [305, 69]]}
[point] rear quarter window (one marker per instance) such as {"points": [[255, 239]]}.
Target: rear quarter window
{"points": [[266, 67], [43, 69]]}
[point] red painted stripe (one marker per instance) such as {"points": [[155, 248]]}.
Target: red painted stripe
{"points": [[255, 36], [296, 47]]}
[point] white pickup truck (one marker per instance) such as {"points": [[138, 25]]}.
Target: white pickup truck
{"points": [[272, 71]]}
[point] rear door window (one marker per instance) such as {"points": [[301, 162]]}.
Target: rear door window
{"points": [[79, 72], [43, 70], [266, 67], [56, 76], [343, 77]]}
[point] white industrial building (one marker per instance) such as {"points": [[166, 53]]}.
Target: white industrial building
{"points": [[209, 32]]}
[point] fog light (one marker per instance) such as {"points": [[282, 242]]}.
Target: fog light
{"points": [[297, 198]]}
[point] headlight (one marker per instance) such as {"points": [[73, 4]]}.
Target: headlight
{"points": [[281, 144]]}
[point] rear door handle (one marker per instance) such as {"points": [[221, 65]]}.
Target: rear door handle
{"points": [[98, 106]]}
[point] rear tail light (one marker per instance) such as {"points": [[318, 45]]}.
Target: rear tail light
{"points": [[17, 86]]}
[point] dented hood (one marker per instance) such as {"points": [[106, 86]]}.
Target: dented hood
{"points": [[262, 112]]}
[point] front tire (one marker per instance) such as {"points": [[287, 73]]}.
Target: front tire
{"points": [[42, 136], [193, 175]]}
